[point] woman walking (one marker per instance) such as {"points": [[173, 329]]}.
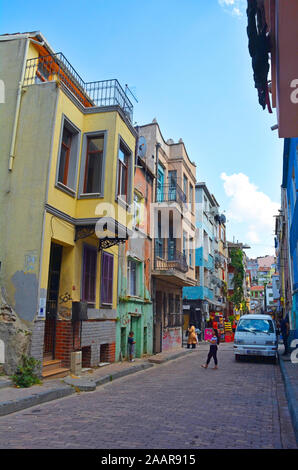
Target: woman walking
{"points": [[214, 341], [192, 338]]}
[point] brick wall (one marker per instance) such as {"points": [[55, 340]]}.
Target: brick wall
{"points": [[96, 334], [86, 356], [64, 341], [107, 352]]}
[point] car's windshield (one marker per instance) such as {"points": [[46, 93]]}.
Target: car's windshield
{"points": [[255, 325]]}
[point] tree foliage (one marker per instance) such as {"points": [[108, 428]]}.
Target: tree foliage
{"points": [[237, 298]]}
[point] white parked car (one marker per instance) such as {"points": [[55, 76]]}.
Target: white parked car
{"points": [[255, 336]]}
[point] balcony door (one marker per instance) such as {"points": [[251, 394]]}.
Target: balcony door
{"points": [[160, 183], [171, 249], [172, 185]]}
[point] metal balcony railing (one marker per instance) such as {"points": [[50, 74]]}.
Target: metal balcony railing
{"points": [[166, 259], [57, 68], [170, 193]]}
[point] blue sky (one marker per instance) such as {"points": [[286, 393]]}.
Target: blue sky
{"points": [[189, 65]]}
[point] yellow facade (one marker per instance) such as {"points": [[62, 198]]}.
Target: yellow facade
{"points": [[59, 230], [52, 212]]}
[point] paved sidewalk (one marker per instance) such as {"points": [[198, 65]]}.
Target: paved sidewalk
{"points": [[14, 399], [289, 372]]}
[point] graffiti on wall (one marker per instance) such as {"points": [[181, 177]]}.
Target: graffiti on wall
{"points": [[171, 339], [125, 320], [30, 262], [65, 298]]}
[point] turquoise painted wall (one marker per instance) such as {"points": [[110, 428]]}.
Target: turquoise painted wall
{"points": [[197, 292], [133, 312]]}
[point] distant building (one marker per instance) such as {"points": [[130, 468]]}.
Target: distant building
{"points": [[252, 268], [209, 294], [172, 231], [263, 276], [257, 299]]}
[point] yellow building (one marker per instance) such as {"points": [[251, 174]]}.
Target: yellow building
{"points": [[67, 180]]}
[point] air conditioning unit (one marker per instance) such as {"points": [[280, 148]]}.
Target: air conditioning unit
{"points": [[214, 210], [79, 311]]}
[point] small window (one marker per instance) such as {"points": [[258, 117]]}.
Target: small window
{"points": [[93, 165], [124, 162], [136, 211], [190, 250], [64, 156], [107, 269], [191, 196], [184, 243], [132, 270], [185, 181], [68, 156], [177, 304], [171, 303]]}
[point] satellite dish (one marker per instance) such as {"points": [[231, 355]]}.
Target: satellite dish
{"points": [[142, 147]]}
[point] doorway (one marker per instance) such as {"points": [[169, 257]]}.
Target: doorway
{"points": [[135, 327], [52, 300], [158, 323], [145, 341], [123, 347]]}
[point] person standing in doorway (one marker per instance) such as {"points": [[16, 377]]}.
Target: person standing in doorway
{"points": [[131, 346], [192, 337], [214, 342], [285, 330]]}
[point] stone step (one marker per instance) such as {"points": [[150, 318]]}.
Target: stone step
{"points": [[55, 373], [51, 365], [47, 357]]}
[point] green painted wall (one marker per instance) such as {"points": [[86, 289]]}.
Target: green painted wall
{"points": [[136, 313]]}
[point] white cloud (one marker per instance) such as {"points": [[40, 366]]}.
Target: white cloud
{"points": [[236, 12], [234, 7], [226, 2], [250, 210]]}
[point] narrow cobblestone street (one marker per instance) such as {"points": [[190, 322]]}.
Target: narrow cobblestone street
{"points": [[177, 405]]}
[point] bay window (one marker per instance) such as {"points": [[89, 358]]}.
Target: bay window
{"points": [[93, 165]]}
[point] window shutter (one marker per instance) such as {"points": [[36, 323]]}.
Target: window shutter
{"points": [[89, 274], [107, 278]]}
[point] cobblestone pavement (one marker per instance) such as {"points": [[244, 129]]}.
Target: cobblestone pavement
{"points": [[177, 405]]}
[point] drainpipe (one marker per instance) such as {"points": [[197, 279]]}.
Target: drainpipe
{"points": [[18, 106]]}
